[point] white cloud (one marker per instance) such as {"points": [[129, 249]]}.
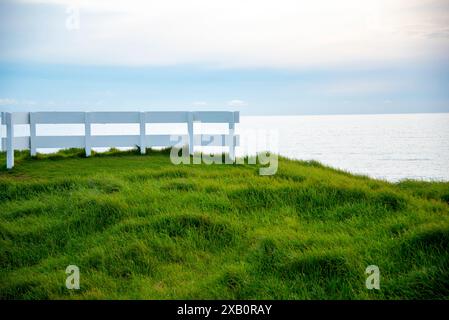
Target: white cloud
{"points": [[247, 33], [362, 86], [236, 103], [7, 101], [199, 103]]}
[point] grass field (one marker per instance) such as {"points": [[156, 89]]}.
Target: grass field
{"points": [[139, 227]]}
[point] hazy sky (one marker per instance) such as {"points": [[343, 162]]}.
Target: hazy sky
{"points": [[256, 56]]}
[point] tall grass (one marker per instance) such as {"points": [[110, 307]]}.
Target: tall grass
{"points": [[139, 227]]}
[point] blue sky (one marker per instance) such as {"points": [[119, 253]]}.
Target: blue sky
{"points": [[259, 57]]}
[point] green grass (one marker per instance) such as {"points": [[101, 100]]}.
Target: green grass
{"points": [[139, 227]]}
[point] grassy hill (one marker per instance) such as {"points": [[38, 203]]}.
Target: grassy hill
{"points": [[139, 227]]}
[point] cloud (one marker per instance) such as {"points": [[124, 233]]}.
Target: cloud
{"points": [[7, 101], [236, 103], [234, 33], [199, 103], [364, 87]]}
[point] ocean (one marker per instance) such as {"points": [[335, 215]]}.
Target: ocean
{"points": [[385, 146]]}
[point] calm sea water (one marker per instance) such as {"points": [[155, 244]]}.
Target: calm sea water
{"points": [[391, 147]]}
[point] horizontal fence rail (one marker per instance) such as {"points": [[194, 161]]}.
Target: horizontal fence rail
{"points": [[143, 140]]}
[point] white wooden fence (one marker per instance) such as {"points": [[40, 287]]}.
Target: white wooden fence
{"points": [[89, 141]]}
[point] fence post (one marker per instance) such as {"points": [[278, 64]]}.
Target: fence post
{"points": [[142, 133], [87, 133], [9, 140], [231, 141], [32, 134], [3, 143], [190, 127]]}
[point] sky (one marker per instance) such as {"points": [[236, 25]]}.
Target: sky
{"points": [[260, 57]]}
